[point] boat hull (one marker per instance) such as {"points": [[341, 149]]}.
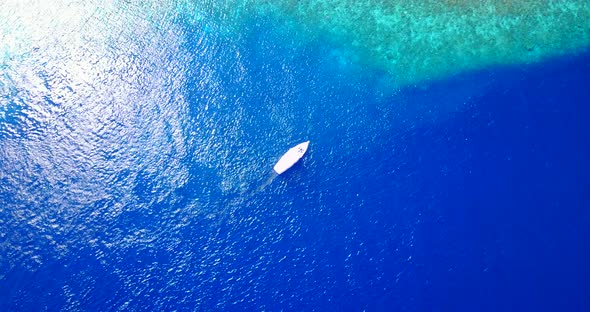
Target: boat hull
{"points": [[291, 157]]}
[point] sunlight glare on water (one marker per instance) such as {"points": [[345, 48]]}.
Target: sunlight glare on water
{"points": [[86, 118]]}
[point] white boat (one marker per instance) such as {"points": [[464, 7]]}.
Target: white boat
{"points": [[291, 157]]}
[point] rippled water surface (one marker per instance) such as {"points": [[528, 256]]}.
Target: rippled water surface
{"points": [[135, 138]]}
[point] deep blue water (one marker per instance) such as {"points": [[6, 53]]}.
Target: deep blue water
{"points": [[460, 195]]}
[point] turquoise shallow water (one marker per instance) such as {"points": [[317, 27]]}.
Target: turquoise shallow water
{"points": [[133, 140], [419, 41]]}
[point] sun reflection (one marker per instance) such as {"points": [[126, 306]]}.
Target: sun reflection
{"points": [[93, 96]]}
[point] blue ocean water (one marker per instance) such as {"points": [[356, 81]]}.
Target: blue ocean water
{"points": [[139, 189]]}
